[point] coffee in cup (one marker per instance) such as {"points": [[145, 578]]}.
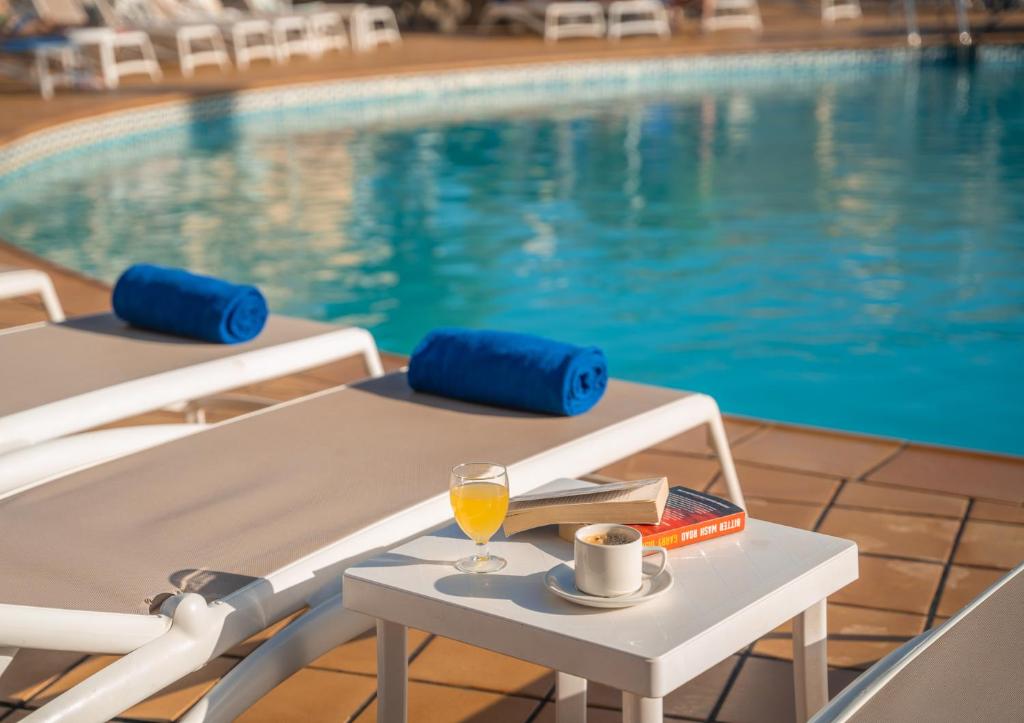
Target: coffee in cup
{"points": [[609, 538]]}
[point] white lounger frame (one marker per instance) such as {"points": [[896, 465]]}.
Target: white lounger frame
{"points": [[553, 20], [162, 648], [373, 25], [115, 63], [577, 19], [196, 43], [832, 10], [27, 467], [120, 401], [731, 14], [874, 679], [31, 282], [637, 17]]}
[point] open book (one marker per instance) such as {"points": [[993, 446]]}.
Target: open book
{"points": [[640, 502]]}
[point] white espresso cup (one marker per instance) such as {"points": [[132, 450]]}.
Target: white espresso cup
{"points": [[611, 570]]}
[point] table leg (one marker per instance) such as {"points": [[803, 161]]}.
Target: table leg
{"points": [[570, 699], [637, 709], [810, 661], [392, 672]]}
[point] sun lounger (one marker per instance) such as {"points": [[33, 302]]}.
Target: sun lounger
{"points": [[637, 17], [240, 525], [730, 15], [967, 669], [308, 29], [31, 282], [553, 20], [373, 25], [529, 15], [59, 379], [111, 44], [251, 37], [45, 62], [832, 10], [196, 42]]}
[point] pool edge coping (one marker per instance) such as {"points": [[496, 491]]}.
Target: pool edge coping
{"points": [[52, 138]]}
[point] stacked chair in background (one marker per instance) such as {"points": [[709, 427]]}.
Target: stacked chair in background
{"points": [[101, 41], [556, 21]]}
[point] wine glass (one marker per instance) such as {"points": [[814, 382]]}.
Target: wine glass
{"points": [[479, 497]]}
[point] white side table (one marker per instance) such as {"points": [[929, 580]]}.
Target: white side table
{"points": [[728, 592]]}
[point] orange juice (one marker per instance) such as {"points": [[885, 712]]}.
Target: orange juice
{"points": [[479, 508]]}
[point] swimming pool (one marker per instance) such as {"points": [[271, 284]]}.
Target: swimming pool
{"points": [[842, 249]]}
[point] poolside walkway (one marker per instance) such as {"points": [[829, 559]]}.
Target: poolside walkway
{"points": [[788, 26], [935, 526]]}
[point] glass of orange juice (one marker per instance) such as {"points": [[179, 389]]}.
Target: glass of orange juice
{"points": [[479, 496]]}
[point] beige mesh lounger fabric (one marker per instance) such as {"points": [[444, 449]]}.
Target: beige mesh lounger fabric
{"points": [[969, 669], [59, 379], [51, 362], [244, 499], [257, 517]]}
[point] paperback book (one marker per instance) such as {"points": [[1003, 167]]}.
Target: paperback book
{"points": [[642, 501], [689, 517]]}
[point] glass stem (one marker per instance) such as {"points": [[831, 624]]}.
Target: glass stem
{"points": [[481, 551]]}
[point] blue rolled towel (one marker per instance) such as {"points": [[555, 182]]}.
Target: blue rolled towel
{"points": [[509, 370], [178, 302]]}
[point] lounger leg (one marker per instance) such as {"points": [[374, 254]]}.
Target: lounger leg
{"points": [[570, 699], [721, 444], [810, 661], [636, 709], [108, 64], [43, 75], [185, 60], [185, 647], [304, 640], [392, 672]]}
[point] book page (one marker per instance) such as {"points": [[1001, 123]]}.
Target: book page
{"points": [[618, 491]]}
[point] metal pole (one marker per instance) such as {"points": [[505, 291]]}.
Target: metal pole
{"points": [[913, 35], [963, 29]]}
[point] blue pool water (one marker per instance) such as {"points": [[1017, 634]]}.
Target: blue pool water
{"points": [[843, 250]]}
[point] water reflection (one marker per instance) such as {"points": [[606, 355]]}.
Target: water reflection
{"points": [[855, 240]]}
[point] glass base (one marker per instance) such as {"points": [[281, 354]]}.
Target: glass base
{"points": [[480, 563]]}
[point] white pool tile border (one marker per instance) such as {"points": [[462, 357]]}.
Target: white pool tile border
{"points": [[384, 97]]}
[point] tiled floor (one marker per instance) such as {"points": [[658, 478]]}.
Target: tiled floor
{"points": [[935, 527]]}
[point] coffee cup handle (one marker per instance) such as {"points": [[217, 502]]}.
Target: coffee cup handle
{"points": [[664, 560]]}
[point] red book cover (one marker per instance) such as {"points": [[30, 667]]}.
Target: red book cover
{"points": [[691, 516]]}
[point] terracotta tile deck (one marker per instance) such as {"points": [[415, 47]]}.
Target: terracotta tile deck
{"points": [[936, 526]]}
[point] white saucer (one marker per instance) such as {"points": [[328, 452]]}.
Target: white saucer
{"points": [[561, 580]]}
